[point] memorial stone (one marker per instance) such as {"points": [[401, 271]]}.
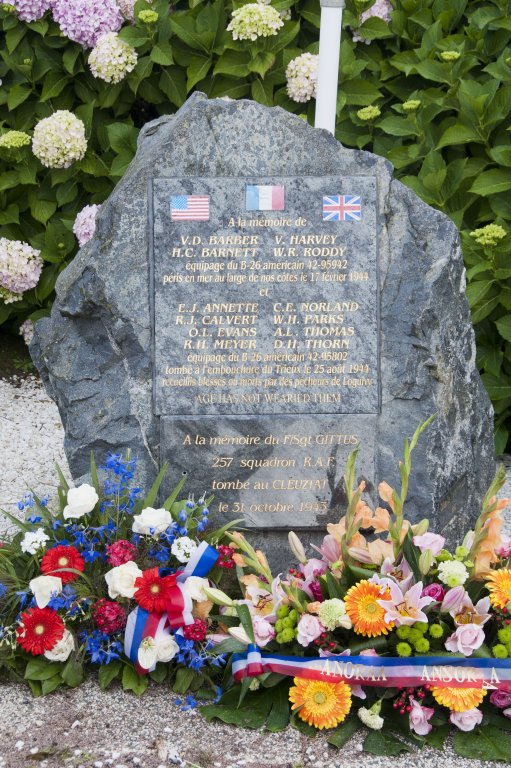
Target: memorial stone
{"points": [[256, 302]]}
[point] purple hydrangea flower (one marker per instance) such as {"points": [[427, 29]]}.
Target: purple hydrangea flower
{"points": [[382, 9], [31, 10], [84, 21]]}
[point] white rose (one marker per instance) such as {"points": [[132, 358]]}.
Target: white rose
{"points": [[152, 522], [44, 587], [63, 649], [121, 580], [194, 586], [33, 541], [183, 548], [80, 501], [166, 648]]}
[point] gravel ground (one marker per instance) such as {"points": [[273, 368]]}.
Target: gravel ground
{"points": [[90, 728]]}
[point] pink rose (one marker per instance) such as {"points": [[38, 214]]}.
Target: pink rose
{"points": [[432, 541], [436, 591], [466, 639], [419, 717], [309, 628], [466, 721], [501, 699], [264, 632]]}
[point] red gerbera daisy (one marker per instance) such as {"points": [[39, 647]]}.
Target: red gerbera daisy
{"points": [[39, 630], [153, 590], [62, 557]]}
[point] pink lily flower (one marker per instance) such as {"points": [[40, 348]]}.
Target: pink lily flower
{"points": [[453, 599], [468, 613], [401, 573], [330, 549], [405, 608]]}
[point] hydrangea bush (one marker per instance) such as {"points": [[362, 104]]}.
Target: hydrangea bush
{"points": [[425, 83]]}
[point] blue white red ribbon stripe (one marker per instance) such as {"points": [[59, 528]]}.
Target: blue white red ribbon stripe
{"points": [[141, 624], [382, 671]]}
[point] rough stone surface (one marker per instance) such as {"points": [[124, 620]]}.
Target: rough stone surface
{"points": [[94, 352]]}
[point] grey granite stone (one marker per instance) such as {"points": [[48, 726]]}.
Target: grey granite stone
{"points": [[95, 351]]}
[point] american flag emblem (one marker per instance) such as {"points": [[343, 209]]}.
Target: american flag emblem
{"points": [[342, 208], [189, 208]]}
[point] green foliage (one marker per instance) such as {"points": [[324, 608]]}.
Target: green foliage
{"points": [[444, 124]]}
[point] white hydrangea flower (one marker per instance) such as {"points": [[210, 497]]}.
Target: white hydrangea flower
{"points": [[59, 140], [183, 548], [254, 20], [302, 75], [20, 269], [112, 58], [453, 573]]}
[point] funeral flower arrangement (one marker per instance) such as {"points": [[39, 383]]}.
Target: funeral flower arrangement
{"points": [[86, 582], [384, 627]]}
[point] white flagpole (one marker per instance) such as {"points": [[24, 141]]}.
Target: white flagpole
{"points": [[328, 68]]}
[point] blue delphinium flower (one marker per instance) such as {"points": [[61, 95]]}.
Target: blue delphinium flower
{"points": [[64, 600], [190, 702], [3, 590], [101, 648]]}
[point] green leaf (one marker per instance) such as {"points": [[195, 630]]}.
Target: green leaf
{"points": [[184, 28], [384, 744], [344, 732], [122, 137], [436, 738], [47, 686], [153, 493], [184, 679], [41, 669], [197, 71], [17, 95], [491, 182], [173, 84], [397, 126], [459, 134], [73, 674], [504, 327], [131, 681], [496, 387], [161, 53], [108, 672], [488, 743], [54, 84], [42, 210], [233, 63], [246, 620]]}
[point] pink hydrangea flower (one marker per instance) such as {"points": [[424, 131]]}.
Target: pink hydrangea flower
{"points": [[84, 21], [467, 639], [85, 224], [466, 721], [31, 10], [419, 718], [381, 9]]}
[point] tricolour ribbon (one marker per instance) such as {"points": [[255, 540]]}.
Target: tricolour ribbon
{"points": [[141, 624], [383, 671]]}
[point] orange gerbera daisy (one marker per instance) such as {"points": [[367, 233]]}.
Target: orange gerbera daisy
{"points": [[321, 704], [499, 587], [367, 617], [458, 699]]}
